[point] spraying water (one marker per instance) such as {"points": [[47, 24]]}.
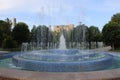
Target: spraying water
{"points": [[62, 43]]}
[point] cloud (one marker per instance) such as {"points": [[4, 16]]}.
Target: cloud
{"points": [[45, 7], [58, 11], [4, 6], [49, 7]]}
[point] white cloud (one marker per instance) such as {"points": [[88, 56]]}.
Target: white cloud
{"points": [[4, 6], [49, 7], [59, 11], [45, 7]]}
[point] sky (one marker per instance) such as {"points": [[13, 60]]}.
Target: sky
{"points": [[60, 12]]}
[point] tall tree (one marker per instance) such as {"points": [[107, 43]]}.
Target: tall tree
{"points": [[80, 33], [9, 22], [34, 34], [4, 30], [41, 35], [111, 34], [116, 18], [21, 33], [93, 35]]}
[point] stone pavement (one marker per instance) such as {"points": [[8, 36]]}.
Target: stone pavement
{"points": [[2, 52], [103, 49], [30, 75]]}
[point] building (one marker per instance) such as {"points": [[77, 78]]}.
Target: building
{"points": [[58, 28], [14, 22]]}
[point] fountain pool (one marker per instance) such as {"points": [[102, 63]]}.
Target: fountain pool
{"points": [[62, 61], [57, 64]]}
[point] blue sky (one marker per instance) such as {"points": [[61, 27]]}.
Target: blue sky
{"points": [[58, 12]]}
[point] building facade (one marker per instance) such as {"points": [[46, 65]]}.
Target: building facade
{"points": [[58, 28]]}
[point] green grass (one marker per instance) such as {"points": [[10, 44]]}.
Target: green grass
{"points": [[10, 49]]}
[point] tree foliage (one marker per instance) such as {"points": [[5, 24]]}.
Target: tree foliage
{"points": [[41, 35], [116, 18], [5, 30], [9, 43], [79, 33], [111, 34], [93, 35], [21, 33]]}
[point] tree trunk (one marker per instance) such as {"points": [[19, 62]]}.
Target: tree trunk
{"points": [[89, 45], [96, 44], [113, 47]]}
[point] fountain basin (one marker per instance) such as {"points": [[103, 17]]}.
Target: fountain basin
{"points": [[68, 62], [65, 51]]}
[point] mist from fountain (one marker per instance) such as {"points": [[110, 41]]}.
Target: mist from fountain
{"points": [[62, 45]]}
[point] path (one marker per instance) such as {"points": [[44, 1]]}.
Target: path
{"points": [[2, 52], [103, 49]]}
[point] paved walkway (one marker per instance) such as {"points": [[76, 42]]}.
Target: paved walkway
{"points": [[31, 75], [103, 48], [2, 52]]}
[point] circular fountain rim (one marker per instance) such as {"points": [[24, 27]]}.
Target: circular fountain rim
{"points": [[62, 66], [107, 56]]}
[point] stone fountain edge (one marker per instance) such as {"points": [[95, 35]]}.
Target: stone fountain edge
{"points": [[12, 74]]}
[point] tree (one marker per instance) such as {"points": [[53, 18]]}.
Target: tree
{"points": [[21, 33], [116, 18], [41, 35], [80, 33], [9, 43], [34, 34], [4, 30], [93, 35], [9, 22], [56, 37], [111, 34]]}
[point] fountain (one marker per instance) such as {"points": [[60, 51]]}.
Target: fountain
{"points": [[62, 60], [62, 43]]}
